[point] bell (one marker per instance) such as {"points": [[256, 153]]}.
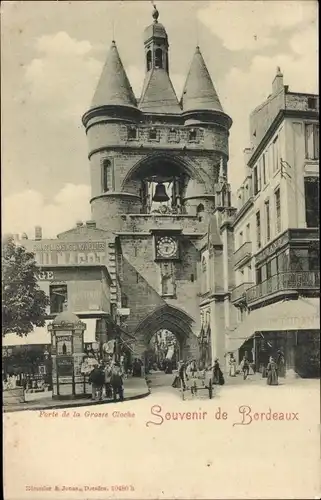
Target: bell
{"points": [[160, 193]]}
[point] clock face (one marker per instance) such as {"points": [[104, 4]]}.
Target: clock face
{"points": [[166, 247]]}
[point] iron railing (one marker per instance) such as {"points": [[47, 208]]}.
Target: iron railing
{"points": [[290, 280], [239, 292]]}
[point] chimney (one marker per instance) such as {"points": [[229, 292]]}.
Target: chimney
{"points": [[91, 224], [277, 83], [79, 223], [38, 233], [247, 152]]}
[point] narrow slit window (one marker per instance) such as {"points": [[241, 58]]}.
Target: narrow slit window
{"points": [[158, 58], [107, 180], [278, 210], [149, 60], [267, 220], [105, 175]]}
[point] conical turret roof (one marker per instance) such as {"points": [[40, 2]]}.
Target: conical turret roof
{"points": [[158, 94], [113, 87], [199, 92]]}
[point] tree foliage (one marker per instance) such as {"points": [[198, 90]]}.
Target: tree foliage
{"points": [[23, 302]]}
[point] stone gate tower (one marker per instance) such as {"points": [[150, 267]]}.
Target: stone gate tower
{"points": [[156, 165]]}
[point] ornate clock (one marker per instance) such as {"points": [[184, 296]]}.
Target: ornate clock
{"points": [[166, 247]]}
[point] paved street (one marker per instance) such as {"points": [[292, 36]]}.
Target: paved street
{"points": [[161, 384], [208, 451]]}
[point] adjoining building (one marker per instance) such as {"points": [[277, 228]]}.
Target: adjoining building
{"points": [[276, 234]]}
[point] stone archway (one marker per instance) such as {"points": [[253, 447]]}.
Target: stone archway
{"points": [[171, 318]]}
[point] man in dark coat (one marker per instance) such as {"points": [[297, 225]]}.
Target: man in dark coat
{"points": [[97, 380], [116, 382]]}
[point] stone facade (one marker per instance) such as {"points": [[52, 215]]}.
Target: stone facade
{"points": [[138, 148], [159, 138]]}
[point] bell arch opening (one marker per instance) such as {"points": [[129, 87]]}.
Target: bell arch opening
{"points": [[163, 181]]}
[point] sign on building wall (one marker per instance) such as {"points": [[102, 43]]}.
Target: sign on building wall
{"points": [[80, 252], [85, 295]]}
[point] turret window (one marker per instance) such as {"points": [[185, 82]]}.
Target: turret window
{"points": [[172, 135], [132, 133], [192, 136], [158, 58], [107, 175], [153, 135], [149, 60]]}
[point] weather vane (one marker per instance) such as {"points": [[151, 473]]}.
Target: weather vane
{"points": [[155, 13]]}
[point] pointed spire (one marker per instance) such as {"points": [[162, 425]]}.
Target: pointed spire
{"points": [[113, 87], [158, 95], [199, 92]]}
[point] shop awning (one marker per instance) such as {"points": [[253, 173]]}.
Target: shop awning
{"points": [[39, 336], [300, 314]]}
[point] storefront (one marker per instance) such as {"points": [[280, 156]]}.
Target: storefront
{"points": [[292, 327]]}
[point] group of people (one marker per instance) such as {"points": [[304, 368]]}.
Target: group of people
{"points": [[107, 379], [191, 369], [272, 371]]}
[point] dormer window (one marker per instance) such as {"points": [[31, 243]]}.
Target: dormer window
{"points": [[153, 134], [132, 133], [158, 58], [192, 136]]}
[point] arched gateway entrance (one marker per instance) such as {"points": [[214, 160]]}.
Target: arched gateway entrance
{"points": [[167, 320]]}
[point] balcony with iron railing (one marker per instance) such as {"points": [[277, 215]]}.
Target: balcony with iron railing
{"points": [[286, 283], [238, 294], [243, 253]]}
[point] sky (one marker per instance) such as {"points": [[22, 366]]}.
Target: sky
{"points": [[52, 56]]}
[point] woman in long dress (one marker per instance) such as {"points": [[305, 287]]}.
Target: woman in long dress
{"points": [[272, 375], [232, 363], [218, 377]]}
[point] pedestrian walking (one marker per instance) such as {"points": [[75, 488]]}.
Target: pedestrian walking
{"points": [[182, 373], [97, 379], [218, 377], [280, 362], [116, 381], [107, 373], [137, 368], [245, 367], [272, 375], [232, 364]]}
